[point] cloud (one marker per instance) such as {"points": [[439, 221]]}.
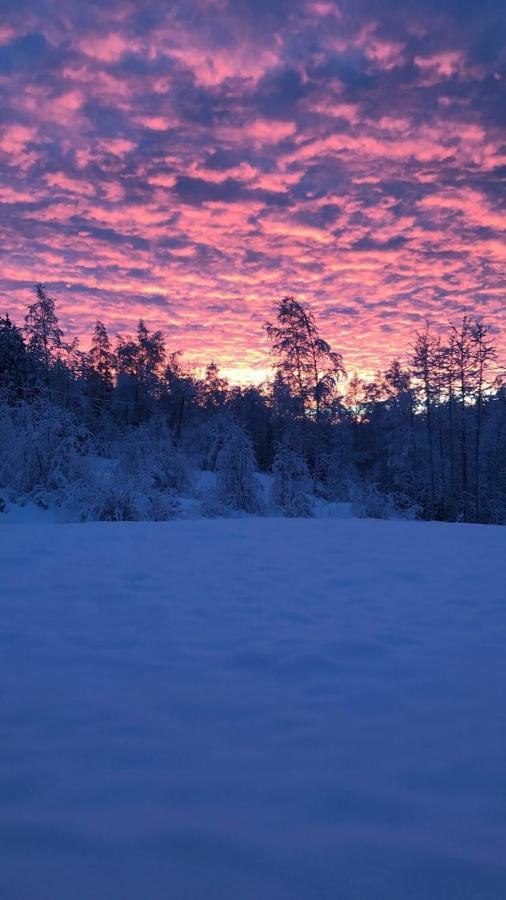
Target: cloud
{"points": [[196, 161]]}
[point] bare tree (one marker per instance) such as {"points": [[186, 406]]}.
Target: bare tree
{"points": [[424, 365], [484, 354]]}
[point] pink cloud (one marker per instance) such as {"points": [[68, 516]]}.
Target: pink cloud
{"points": [[259, 131], [444, 64], [116, 146], [6, 34], [366, 190], [213, 67], [107, 48], [70, 185], [156, 123]]}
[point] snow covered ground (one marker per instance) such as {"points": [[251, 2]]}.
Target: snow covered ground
{"points": [[28, 514], [253, 709]]}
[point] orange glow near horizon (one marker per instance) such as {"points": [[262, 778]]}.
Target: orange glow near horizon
{"points": [[194, 165]]}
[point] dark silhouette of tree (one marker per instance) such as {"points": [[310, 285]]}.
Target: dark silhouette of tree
{"points": [[100, 363], [425, 363], [305, 360], [13, 360], [44, 335], [213, 388], [484, 354]]}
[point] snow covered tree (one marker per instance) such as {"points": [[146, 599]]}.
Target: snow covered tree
{"points": [[337, 471], [429, 441], [43, 449], [291, 486], [236, 484], [250, 407]]}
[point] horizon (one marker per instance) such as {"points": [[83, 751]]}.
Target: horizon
{"points": [[191, 166], [243, 377]]}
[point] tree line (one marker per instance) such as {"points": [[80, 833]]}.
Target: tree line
{"points": [[117, 431]]}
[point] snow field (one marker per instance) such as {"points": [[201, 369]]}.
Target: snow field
{"points": [[253, 709]]}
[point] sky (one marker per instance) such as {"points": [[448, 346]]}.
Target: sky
{"points": [[192, 162]]}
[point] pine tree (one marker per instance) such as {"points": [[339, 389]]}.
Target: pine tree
{"points": [[150, 356], [139, 365], [100, 363], [13, 361], [237, 486], [42, 329], [178, 392], [291, 486], [213, 389]]}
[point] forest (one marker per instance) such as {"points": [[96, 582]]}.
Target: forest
{"points": [[118, 432]]}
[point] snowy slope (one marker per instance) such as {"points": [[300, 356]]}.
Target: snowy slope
{"points": [[253, 710], [29, 514]]}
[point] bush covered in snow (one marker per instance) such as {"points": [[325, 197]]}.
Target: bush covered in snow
{"points": [[43, 448], [49, 457], [149, 457], [111, 497], [370, 503], [204, 442], [139, 482]]}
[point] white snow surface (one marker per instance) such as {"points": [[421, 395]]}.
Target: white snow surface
{"points": [[253, 709], [28, 514]]}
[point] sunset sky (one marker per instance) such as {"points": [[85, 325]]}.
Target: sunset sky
{"points": [[192, 162]]}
